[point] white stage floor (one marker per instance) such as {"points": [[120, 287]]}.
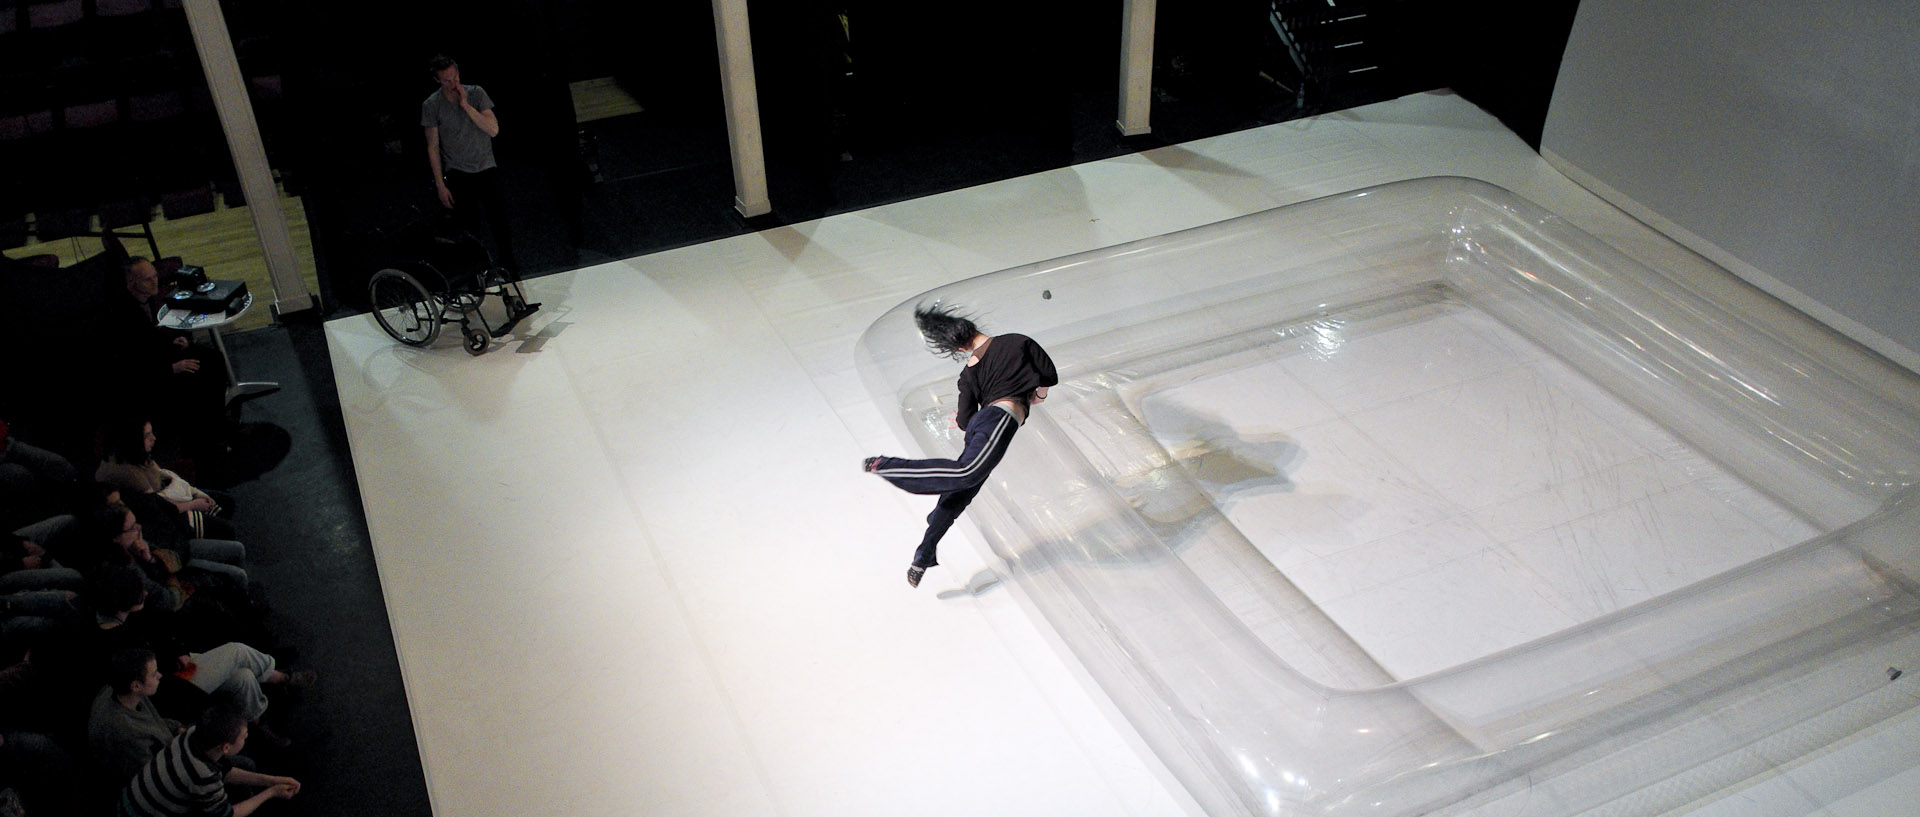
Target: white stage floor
{"points": [[633, 567]]}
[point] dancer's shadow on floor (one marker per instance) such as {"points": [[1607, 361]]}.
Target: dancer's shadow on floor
{"points": [[1034, 559], [1209, 465], [982, 583]]}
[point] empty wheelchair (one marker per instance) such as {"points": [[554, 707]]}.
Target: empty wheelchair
{"points": [[446, 277]]}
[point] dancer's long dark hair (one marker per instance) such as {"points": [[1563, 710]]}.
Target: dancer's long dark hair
{"points": [[948, 333]]}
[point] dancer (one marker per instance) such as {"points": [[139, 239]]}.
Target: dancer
{"points": [[1005, 376]]}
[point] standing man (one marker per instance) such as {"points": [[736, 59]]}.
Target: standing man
{"points": [[460, 125]]}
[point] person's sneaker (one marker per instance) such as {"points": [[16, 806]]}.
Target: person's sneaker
{"points": [[870, 464], [913, 575]]}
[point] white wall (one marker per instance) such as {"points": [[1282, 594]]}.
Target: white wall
{"points": [[1779, 137]]}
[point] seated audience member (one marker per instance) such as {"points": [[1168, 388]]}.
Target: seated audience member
{"points": [[36, 592], [189, 776], [34, 483], [36, 722], [124, 728], [129, 466], [34, 695], [60, 532], [116, 619], [40, 540], [165, 529], [40, 773], [33, 598], [181, 384], [233, 669], [207, 595], [120, 544]]}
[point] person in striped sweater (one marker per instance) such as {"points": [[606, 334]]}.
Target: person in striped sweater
{"points": [[191, 774]]}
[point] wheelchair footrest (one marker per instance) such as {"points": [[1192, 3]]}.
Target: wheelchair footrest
{"points": [[514, 320]]}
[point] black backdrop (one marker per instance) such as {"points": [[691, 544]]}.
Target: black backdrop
{"points": [[899, 100]]}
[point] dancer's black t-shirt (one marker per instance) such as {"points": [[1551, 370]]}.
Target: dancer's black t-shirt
{"points": [[1012, 366]]}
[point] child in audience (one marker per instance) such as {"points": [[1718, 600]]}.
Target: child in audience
{"points": [[124, 729], [190, 775]]}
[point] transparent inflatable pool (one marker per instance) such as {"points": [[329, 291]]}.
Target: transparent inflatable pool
{"points": [[1383, 502]]}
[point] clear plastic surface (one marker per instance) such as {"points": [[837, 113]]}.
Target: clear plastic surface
{"points": [[1385, 501]]}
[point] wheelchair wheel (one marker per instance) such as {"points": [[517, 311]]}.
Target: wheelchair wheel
{"points": [[477, 340], [404, 308]]}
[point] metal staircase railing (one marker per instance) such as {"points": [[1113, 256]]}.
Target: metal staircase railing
{"points": [[1343, 51]]}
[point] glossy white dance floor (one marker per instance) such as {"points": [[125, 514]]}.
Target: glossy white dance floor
{"points": [[633, 568]]}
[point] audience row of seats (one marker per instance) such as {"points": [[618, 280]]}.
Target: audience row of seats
{"points": [[127, 613], [106, 119]]}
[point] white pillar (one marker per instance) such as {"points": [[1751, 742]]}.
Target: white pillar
{"points": [[1136, 67], [742, 97], [229, 88]]}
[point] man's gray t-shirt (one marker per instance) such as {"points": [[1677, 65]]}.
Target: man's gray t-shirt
{"points": [[463, 145]]}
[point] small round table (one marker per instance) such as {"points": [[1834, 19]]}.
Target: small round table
{"points": [[174, 318]]}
